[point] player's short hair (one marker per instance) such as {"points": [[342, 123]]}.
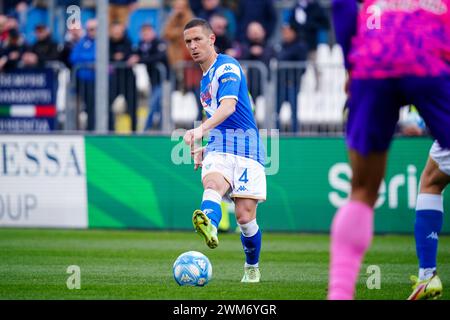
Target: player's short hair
{"points": [[198, 22]]}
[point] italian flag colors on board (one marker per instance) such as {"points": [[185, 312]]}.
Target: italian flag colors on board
{"points": [[27, 111]]}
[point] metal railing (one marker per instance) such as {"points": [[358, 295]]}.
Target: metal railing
{"points": [[293, 96], [122, 96], [286, 94]]}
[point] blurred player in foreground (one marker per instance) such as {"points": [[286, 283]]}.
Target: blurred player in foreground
{"points": [[233, 163], [397, 53]]}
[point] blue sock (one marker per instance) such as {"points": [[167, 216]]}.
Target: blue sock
{"points": [[251, 242], [429, 218], [211, 206]]}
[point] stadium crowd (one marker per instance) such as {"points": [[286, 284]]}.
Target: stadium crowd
{"points": [[150, 32], [246, 30]]}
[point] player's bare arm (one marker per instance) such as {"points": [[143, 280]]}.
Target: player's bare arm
{"points": [[226, 109]]}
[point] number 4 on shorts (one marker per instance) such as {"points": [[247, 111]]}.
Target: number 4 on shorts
{"points": [[243, 177]]}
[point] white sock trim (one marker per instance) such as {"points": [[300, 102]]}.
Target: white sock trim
{"points": [[212, 195], [426, 273], [256, 265], [249, 229], [428, 201]]}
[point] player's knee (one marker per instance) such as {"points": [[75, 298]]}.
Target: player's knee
{"points": [[433, 181], [244, 218], [212, 184], [245, 211]]}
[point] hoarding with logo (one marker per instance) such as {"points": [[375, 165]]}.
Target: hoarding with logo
{"points": [[43, 181], [28, 101]]}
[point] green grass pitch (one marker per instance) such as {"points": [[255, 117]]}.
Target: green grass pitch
{"points": [[138, 265]]}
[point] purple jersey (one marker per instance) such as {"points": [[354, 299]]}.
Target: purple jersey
{"points": [[395, 38]]}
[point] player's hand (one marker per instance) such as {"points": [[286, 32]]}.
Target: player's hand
{"points": [[189, 137], [197, 155], [193, 135]]}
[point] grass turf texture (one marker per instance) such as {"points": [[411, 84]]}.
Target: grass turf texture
{"points": [[138, 265]]}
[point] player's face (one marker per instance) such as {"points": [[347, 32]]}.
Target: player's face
{"points": [[199, 43]]}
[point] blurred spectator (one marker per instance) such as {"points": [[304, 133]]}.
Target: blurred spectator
{"points": [[289, 80], [72, 37], [84, 53], [223, 43], [180, 15], [151, 51], [188, 73], [231, 4], [11, 51], [67, 3], [256, 48], [122, 79], [13, 6], [119, 45], [3, 30], [119, 10], [40, 3], [292, 48], [196, 6], [212, 7], [12, 23], [309, 17], [43, 50], [262, 11]]}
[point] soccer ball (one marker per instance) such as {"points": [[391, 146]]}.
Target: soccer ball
{"points": [[192, 268]]}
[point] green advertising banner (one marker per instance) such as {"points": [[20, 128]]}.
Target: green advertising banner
{"points": [[149, 182]]}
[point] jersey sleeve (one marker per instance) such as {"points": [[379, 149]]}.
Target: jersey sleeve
{"points": [[345, 16], [229, 78]]}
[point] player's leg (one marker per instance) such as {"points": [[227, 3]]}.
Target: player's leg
{"points": [[207, 219], [249, 188], [373, 114], [217, 172], [431, 96], [250, 237], [429, 218], [215, 186], [352, 227]]}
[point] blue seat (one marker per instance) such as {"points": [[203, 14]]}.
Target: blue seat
{"points": [[138, 18], [86, 14], [35, 16]]}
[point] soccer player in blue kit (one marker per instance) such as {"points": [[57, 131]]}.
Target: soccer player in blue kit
{"points": [[429, 219], [233, 160]]}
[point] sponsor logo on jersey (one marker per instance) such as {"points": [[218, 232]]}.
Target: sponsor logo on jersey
{"points": [[205, 96], [228, 79]]}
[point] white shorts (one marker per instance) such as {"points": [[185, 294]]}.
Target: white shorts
{"points": [[246, 177], [441, 156]]}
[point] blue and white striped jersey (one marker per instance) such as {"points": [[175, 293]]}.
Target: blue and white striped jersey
{"points": [[238, 134]]}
